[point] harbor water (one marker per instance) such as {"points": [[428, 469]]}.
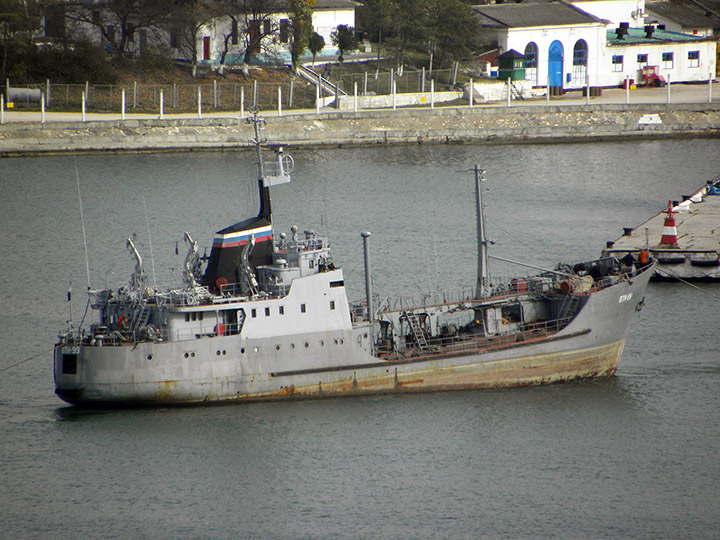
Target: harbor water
{"points": [[630, 456]]}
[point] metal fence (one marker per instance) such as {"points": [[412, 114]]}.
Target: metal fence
{"points": [[381, 82], [139, 97]]}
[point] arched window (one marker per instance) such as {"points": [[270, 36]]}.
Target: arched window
{"points": [[531, 61], [580, 54]]}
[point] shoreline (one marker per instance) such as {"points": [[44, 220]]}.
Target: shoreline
{"points": [[517, 124]]}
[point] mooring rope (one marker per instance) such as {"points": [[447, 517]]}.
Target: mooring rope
{"points": [[675, 276], [26, 360]]}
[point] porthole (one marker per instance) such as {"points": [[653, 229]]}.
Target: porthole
{"points": [[322, 343], [277, 347], [335, 341], [365, 335], [342, 341], [186, 355], [149, 356], [217, 352], [307, 344], [292, 345], [242, 351], [192, 355], [224, 353]]}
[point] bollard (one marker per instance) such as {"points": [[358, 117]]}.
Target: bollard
{"points": [[122, 104], [242, 102], [317, 99], [279, 100], [365, 85], [627, 89], [432, 93], [472, 91], [42, 108], [82, 105], [355, 96], [547, 93], [2, 109], [668, 89], [199, 102], [710, 80], [394, 96], [162, 105], [587, 89], [508, 91], [290, 97]]}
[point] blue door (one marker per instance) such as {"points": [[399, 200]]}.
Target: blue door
{"points": [[555, 64]]}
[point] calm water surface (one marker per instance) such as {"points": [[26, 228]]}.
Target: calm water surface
{"points": [[631, 456]]}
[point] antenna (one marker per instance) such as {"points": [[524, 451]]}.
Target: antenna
{"points": [[82, 221], [152, 258], [483, 278]]}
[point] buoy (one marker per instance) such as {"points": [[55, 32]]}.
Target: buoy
{"points": [[669, 232]]}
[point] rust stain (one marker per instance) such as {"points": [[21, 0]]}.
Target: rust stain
{"points": [[165, 389]]}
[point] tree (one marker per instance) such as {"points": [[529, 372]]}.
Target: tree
{"points": [[453, 28], [18, 19], [316, 44], [345, 39], [118, 21], [301, 28]]}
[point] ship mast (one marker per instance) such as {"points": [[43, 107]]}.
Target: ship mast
{"points": [[483, 277], [265, 210]]}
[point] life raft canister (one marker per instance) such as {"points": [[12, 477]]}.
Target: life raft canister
{"points": [[220, 329]]}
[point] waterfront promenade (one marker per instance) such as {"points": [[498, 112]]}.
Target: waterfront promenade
{"points": [[685, 110]]}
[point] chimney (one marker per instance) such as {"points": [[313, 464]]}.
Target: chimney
{"points": [[649, 29]]}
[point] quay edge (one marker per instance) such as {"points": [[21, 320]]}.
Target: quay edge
{"points": [[489, 125]]}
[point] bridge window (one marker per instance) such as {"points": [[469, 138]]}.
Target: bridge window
{"points": [[303, 309]]}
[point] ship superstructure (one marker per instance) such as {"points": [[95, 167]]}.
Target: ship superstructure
{"points": [[275, 322]]}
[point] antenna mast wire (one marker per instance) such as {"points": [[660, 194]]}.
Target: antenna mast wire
{"points": [[82, 220], [152, 258]]}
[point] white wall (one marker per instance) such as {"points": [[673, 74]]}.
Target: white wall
{"points": [[593, 34], [680, 72], [615, 11], [326, 21]]}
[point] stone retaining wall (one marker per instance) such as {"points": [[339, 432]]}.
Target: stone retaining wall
{"points": [[440, 125]]}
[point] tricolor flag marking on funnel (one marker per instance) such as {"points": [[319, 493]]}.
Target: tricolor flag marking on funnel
{"points": [[240, 238]]}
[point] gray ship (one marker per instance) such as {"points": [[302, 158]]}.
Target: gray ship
{"points": [[268, 318]]}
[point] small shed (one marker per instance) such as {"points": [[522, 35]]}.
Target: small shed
{"points": [[511, 65]]}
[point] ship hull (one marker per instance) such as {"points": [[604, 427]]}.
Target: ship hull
{"points": [[332, 363]]}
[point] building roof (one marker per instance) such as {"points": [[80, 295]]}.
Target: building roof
{"points": [[638, 35], [335, 4], [532, 14], [686, 14]]}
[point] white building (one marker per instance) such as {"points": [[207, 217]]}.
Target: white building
{"points": [[571, 45], [326, 17]]}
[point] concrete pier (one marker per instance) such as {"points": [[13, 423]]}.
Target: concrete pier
{"points": [[697, 223]]}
